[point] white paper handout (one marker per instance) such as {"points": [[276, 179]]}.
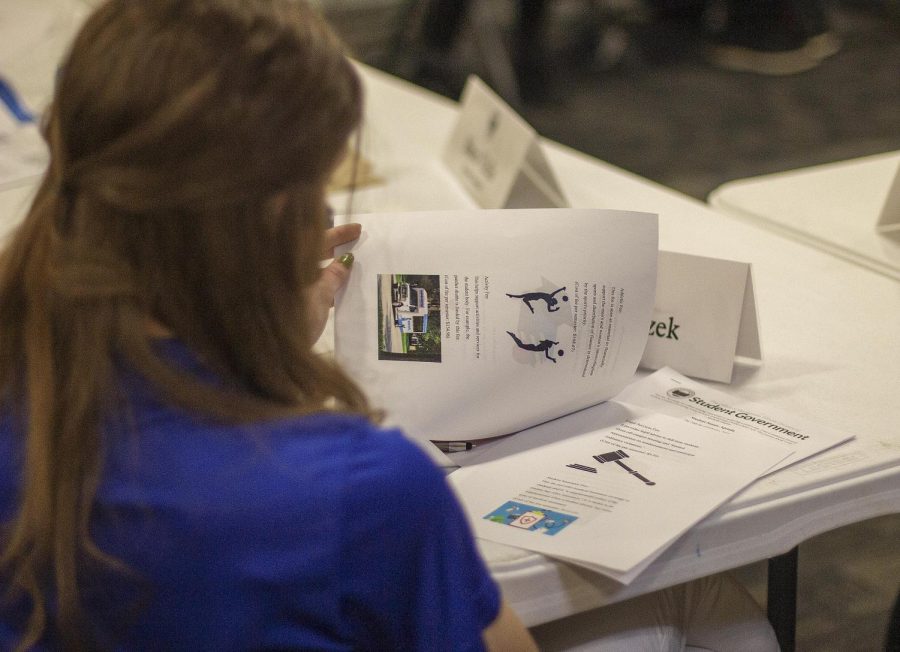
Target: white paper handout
{"points": [[496, 155], [889, 219], [607, 488], [669, 392], [705, 315], [472, 324]]}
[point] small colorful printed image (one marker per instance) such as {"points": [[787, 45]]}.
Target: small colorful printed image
{"points": [[530, 517], [409, 317]]}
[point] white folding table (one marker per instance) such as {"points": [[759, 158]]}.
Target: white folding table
{"points": [[833, 207], [830, 351]]}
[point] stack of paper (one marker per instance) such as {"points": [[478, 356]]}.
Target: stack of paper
{"points": [[609, 488]]}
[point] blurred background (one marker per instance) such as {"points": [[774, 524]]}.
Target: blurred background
{"points": [[645, 86], [633, 82]]}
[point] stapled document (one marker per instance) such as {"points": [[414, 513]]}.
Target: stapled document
{"points": [[461, 326], [610, 487], [607, 488], [669, 392]]}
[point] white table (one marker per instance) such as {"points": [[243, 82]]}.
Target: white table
{"points": [[830, 353], [833, 207]]}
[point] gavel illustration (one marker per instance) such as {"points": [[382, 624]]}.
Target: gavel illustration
{"points": [[617, 457]]}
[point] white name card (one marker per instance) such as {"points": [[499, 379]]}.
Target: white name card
{"points": [[704, 316], [497, 156], [889, 220]]}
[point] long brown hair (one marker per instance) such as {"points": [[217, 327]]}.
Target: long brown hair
{"points": [[190, 143]]}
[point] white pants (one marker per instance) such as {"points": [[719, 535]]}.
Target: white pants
{"points": [[712, 613]]}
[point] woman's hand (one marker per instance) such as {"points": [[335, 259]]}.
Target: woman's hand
{"points": [[332, 278]]}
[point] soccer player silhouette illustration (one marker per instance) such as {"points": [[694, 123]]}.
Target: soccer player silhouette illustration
{"points": [[549, 299], [543, 345]]}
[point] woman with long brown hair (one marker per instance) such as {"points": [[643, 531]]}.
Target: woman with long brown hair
{"points": [[178, 468]]}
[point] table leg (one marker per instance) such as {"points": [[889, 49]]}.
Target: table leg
{"points": [[781, 603]]}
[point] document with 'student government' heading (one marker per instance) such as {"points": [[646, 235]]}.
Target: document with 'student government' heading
{"points": [[607, 488], [610, 487], [669, 392]]}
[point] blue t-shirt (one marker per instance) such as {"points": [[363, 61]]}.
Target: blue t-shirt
{"points": [[314, 533]]}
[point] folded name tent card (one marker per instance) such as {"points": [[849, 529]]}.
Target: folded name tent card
{"points": [[889, 220], [496, 155], [704, 316]]}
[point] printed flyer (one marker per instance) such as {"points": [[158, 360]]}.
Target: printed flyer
{"points": [[471, 324], [607, 488], [613, 485]]}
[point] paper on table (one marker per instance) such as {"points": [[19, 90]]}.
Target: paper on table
{"points": [[669, 392], [471, 324], [607, 488], [842, 463]]}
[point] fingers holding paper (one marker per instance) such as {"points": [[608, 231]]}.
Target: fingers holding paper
{"points": [[338, 235], [332, 277]]}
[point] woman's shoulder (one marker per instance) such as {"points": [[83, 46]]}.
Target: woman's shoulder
{"points": [[366, 466], [368, 454]]}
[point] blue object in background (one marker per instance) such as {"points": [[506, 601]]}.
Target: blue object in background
{"points": [[13, 103]]}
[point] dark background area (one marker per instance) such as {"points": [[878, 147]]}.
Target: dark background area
{"points": [[638, 92]]}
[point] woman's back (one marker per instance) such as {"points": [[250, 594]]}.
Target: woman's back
{"points": [[178, 468], [316, 532]]}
